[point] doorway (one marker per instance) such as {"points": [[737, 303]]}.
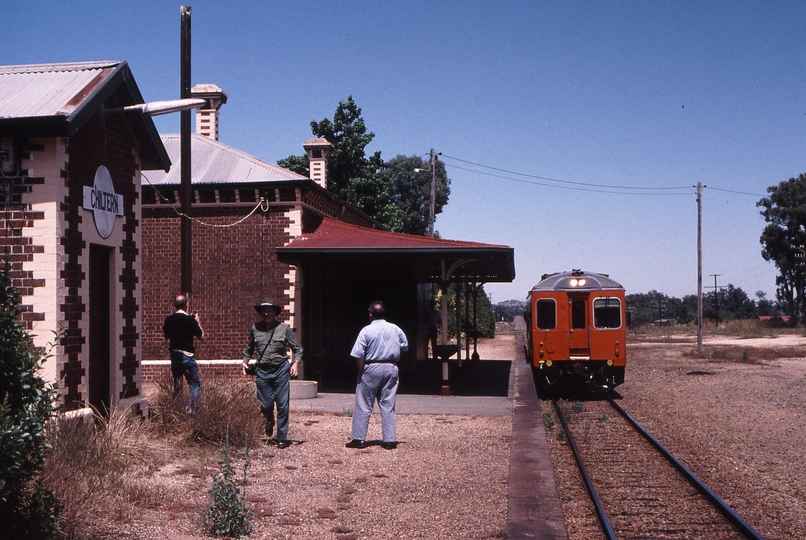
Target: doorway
{"points": [[99, 372]]}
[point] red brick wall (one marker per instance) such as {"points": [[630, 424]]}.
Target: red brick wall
{"points": [[233, 268]]}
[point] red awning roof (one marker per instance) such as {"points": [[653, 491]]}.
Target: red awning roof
{"points": [[452, 260]]}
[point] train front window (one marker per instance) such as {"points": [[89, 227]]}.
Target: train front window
{"points": [[546, 314], [607, 312]]}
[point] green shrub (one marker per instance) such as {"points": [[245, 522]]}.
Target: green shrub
{"points": [[27, 508]]}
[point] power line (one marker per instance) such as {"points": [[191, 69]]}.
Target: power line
{"points": [[604, 188], [532, 182]]}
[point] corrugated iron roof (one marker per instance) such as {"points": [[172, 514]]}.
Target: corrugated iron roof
{"points": [[56, 100], [215, 162], [49, 89]]}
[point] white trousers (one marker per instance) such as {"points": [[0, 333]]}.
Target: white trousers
{"points": [[377, 381]]}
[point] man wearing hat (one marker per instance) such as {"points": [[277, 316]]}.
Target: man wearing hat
{"points": [[269, 341]]}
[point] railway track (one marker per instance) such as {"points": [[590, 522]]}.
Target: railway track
{"points": [[638, 489]]}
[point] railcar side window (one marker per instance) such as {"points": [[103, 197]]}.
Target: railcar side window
{"points": [[546, 314], [607, 312]]}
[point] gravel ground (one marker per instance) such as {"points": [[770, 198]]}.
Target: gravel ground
{"points": [[735, 418], [447, 479]]}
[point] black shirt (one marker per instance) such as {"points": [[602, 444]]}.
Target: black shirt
{"points": [[180, 328]]}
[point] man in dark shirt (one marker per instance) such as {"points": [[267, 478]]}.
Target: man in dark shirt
{"points": [[180, 329]]}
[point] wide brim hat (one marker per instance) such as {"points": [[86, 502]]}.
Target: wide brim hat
{"points": [[268, 302]]}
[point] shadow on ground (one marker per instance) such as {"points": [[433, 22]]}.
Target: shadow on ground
{"points": [[481, 378]]}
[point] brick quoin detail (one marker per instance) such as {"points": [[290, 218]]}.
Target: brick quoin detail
{"points": [[98, 143]]}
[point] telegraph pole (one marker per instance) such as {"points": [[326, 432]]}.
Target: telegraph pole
{"points": [[433, 196], [185, 191], [716, 298], [699, 268]]}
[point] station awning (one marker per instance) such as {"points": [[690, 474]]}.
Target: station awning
{"points": [[441, 260]]}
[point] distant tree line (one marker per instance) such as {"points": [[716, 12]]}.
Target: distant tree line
{"points": [[727, 303]]}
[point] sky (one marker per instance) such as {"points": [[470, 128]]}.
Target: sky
{"points": [[574, 132]]}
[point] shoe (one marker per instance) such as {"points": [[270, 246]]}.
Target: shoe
{"points": [[356, 443], [388, 445], [285, 443]]}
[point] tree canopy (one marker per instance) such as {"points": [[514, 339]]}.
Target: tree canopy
{"points": [[392, 193], [784, 210]]}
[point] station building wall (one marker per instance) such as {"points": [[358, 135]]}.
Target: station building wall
{"points": [[51, 237]]}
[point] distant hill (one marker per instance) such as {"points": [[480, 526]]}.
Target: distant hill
{"points": [[507, 310]]}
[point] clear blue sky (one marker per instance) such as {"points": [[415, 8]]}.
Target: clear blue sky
{"points": [[642, 94]]}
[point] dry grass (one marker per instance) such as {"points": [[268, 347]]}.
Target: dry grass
{"points": [[102, 469], [99, 468], [224, 404], [743, 329]]}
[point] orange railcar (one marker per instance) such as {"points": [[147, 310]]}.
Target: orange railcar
{"points": [[577, 331]]}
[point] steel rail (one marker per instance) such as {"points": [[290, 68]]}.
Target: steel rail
{"points": [[734, 518], [597, 502]]}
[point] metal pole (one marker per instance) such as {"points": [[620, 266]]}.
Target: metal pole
{"points": [[716, 299], [185, 191], [432, 196], [699, 268]]}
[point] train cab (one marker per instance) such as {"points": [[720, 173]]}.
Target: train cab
{"points": [[577, 330]]}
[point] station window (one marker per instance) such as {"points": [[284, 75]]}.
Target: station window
{"points": [[546, 314], [607, 312]]}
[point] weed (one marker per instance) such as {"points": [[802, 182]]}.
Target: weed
{"points": [[347, 412], [227, 514], [548, 421], [603, 418], [745, 357], [561, 435], [578, 406], [719, 353], [586, 430]]}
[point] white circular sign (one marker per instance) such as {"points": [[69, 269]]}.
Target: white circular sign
{"points": [[105, 204]]}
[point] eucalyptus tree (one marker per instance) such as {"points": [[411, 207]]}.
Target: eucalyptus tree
{"points": [[783, 241]]}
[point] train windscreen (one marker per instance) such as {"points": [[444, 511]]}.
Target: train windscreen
{"points": [[546, 314], [607, 312]]}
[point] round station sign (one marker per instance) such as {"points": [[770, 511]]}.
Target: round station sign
{"points": [[104, 203]]}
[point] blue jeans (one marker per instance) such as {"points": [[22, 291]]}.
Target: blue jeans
{"points": [[184, 365], [274, 387]]}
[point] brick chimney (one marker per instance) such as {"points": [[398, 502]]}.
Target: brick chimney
{"points": [[207, 116], [318, 150]]}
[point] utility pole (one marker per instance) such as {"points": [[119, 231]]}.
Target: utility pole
{"points": [[432, 197], [185, 191], [699, 268], [716, 298]]}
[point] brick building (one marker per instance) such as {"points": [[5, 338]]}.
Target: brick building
{"points": [[71, 168], [262, 231]]}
